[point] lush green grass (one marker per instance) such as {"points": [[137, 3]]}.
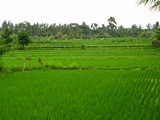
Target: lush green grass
{"points": [[80, 94]]}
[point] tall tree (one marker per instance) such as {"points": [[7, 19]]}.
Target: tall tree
{"points": [[122, 32], [111, 28], [154, 4], [135, 30]]}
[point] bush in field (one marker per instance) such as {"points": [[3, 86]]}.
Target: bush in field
{"points": [[157, 34], [58, 35], [5, 39], [6, 35], [23, 38], [2, 51], [64, 37], [1, 66], [4, 48], [156, 41], [71, 36], [146, 34], [104, 35], [77, 36], [83, 47]]}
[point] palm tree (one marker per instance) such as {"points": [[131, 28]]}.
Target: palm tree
{"points": [[154, 4]]}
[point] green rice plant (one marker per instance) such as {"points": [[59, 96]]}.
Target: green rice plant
{"points": [[107, 80], [79, 94], [88, 57]]}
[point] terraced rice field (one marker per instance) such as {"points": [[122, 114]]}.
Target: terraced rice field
{"points": [[109, 80], [91, 58]]}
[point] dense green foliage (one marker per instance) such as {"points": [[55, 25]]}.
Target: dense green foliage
{"points": [[23, 38], [78, 31], [6, 35], [156, 38], [9, 32]]}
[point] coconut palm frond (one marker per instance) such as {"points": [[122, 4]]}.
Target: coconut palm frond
{"points": [[147, 1], [155, 4]]}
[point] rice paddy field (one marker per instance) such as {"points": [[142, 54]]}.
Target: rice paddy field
{"points": [[113, 79]]}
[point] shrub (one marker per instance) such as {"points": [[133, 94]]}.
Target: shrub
{"points": [[156, 43], [157, 34], [83, 47], [2, 51], [156, 37], [1, 67], [23, 39]]}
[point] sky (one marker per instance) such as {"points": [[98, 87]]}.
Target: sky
{"points": [[125, 12]]}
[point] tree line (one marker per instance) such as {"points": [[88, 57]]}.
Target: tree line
{"points": [[22, 31], [78, 31]]}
